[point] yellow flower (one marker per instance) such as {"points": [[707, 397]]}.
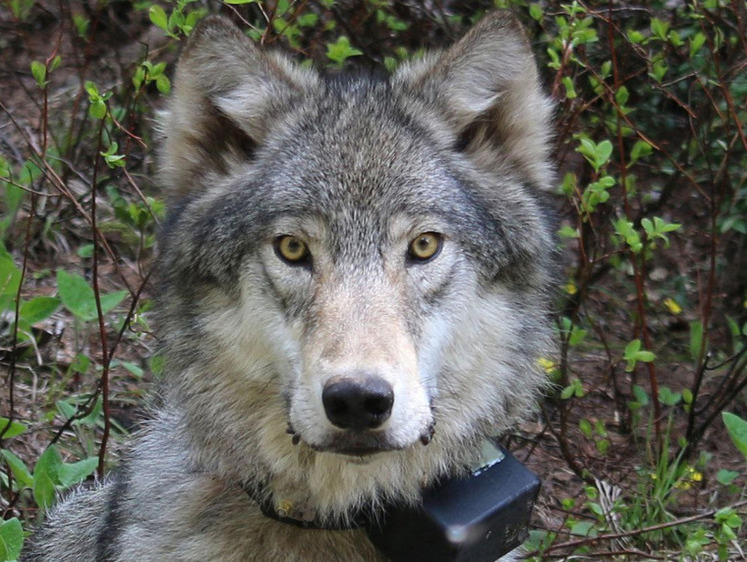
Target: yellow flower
{"points": [[546, 364], [672, 305], [694, 475], [571, 288]]}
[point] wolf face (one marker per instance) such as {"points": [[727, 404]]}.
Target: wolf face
{"points": [[355, 264]]}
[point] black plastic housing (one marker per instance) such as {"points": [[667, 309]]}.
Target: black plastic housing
{"points": [[478, 518]]}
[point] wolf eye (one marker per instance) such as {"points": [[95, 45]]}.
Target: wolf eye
{"points": [[292, 249], [425, 246]]}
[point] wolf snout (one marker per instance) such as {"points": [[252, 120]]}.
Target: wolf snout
{"points": [[358, 403]]}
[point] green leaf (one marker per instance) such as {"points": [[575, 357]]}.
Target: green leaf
{"points": [[659, 28], [66, 409], [91, 89], [163, 84], [80, 364], [554, 62], [576, 388], [596, 154], [687, 396], [44, 493], [15, 429], [73, 473], [696, 339], [132, 368], [78, 296], [81, 25], [49, 463], [603, 152], [640, 150], [18, 467], [10, 281], [45, 477], [737, 428], [159, 17], [38, 309], [11, 539], [696, 42], [568, 231], [570, 90], [85, 250], [535, 12], [603, 445], [97, 109], [625, 230], [645, 356], [567, 392], [94, 415], [668, 397], [308, 20], [724, 514], [726, 477], [640, 395], [583, 529], [111, 300], [577, 336], [585, 426], [622, 96], [630, 354], [657, 229], [636, 36], [282, 7], [658, 70], [341, 50], [39, 70]]}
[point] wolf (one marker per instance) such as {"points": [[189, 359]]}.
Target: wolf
{"points": [[354, 295]]}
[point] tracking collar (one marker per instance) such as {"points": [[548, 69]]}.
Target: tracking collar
{"points": [[478, 517]]}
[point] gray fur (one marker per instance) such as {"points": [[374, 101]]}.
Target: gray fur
{"points": [[356, 166]]}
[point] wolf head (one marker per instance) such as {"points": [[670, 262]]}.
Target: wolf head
{"points": [[357, 260]]}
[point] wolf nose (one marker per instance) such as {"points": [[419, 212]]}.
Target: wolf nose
{"points": [[358, 404]]}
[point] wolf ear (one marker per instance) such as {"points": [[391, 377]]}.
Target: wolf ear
{"points": [[227, 94], [487, 87]]}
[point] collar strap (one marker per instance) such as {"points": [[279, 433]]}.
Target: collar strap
{"points": [[279, 512]]}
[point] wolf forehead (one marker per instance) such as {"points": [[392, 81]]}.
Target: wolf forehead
{"points": [[354, 154], [455, 142], [350, 144]]}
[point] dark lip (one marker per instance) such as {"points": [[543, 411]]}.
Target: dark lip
{"points": [[355, 445], [352, 451]]}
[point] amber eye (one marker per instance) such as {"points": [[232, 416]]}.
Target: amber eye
{"points": [[425, 246], [292, 249]]}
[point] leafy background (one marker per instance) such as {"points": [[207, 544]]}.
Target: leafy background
{"points": [[641, 443]]}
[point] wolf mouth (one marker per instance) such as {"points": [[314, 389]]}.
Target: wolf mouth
{"points": [[356, 445], [362, 444]]}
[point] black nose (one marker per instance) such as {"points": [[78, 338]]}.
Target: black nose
{"points": [[358, 403]]}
